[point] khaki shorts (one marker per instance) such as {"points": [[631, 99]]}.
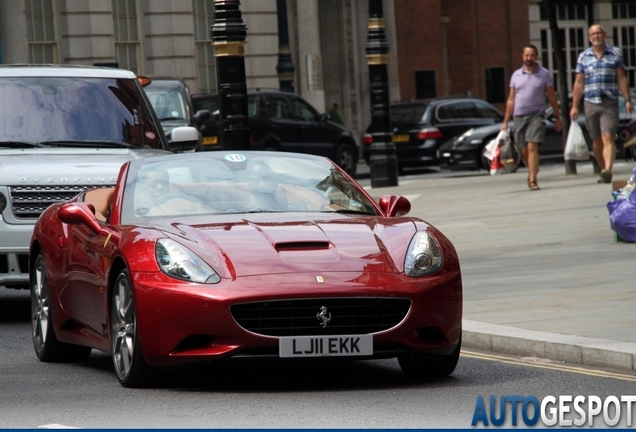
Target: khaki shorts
{"points": [[601, 118], [529, 128]]}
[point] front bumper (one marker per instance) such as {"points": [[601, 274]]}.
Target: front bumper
{"points": [[14, 254], [192, 323]]}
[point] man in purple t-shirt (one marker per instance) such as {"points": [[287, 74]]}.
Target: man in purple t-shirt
{"points": [[529, 86]]}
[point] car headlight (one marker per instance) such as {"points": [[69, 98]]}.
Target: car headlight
{"points": [[3, 203], [424, 255], [181, 263]]}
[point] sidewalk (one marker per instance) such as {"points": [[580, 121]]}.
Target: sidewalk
{"points": [[542, 273]]}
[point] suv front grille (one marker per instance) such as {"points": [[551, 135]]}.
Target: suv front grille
{"points": [[29, 202], [299, 317]]}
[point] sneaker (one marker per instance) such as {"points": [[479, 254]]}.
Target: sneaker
{"points": [[606, 177]]}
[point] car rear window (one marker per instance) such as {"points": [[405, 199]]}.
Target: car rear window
{"points": [[408, 114]]}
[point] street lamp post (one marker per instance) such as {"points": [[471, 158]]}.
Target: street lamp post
{"points": [[383, 162], [285, 65], [228, 34]]}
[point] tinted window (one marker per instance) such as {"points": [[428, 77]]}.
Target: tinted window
{"points": [[408, 114], [457, 111], [58, 109], [487, 111], [303, 110], [278, 108], [206, 103]]}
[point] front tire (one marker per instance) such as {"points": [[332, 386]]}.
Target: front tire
{"points": [[47, 347], [130, 366], [346, 158], [425, 367]]}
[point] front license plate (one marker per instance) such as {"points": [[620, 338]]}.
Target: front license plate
{"points": [[211, 140], [400, 138], [325, 346]]}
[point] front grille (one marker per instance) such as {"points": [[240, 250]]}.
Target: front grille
{"points": [[299, 317], [29, 202]]}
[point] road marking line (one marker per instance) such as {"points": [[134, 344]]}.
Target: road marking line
{"points": [[563, 368]]}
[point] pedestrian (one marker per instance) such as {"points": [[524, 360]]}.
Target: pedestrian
{"points": [[529, 86], [600, 75], [334, 114]]}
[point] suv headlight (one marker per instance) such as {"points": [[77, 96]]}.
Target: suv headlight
{"points": [[181, 263], [3, 202], [424, 255]]}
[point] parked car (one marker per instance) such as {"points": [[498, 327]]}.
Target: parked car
{"points": [[66, 128], [466, 150], [420, 127], [213, 255], [171, 100], [284, 121]]}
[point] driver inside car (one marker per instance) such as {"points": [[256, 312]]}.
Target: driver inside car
{"points": [[155, 196]]}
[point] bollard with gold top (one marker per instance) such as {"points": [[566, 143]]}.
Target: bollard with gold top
{"points": [[228, 35]]}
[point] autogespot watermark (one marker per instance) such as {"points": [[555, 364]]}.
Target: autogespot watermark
{"points": [[562, 410]]}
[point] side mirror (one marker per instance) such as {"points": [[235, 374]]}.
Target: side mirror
{"points": [[79, 214], [395, 205], [201, 116], [184, 138]]}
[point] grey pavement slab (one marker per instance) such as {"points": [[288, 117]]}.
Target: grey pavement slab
{"points": [[541, 270]]}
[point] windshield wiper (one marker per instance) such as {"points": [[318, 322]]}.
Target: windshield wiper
{"points": [[19, 144], [86, 143], [171, 118]]}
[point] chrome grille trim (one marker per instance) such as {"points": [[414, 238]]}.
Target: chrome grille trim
{"points": [[29, 202], [349, 315]]}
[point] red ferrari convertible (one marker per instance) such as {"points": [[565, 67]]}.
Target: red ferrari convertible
{"points": [[204, 256]]}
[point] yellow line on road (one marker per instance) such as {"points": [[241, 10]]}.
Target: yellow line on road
{"points": [[552, 366]]}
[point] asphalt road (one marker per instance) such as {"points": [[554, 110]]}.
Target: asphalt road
{"points": [[367, 394]]}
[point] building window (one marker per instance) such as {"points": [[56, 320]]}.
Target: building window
{"points": [[566, 12], [41, 31], [425, 84], [206, 67], [624, 33], [495, 85], [573, 39], [624, 10], [127, 45]]}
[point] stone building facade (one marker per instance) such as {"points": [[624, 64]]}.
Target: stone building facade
{"points": [[436, 47]]}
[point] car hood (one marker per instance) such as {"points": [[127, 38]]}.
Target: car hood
{"points": [[55, 166], [249, 245]]}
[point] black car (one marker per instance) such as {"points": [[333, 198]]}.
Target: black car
{"points": [[284, 121], [170, 98], [466, 150], [420, 127]]}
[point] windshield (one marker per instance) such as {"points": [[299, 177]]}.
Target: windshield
{"points": [[238, 183], [59, 109], [408, 114], [167, 102]]}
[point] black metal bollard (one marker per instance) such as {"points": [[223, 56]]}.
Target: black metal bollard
{"points": [[285, 65], [383, 162], [228, 34]]}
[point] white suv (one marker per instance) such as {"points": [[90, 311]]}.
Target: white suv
{"points": [[64, 129]]}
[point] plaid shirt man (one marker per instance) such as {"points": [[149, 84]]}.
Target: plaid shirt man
{"points": [[600, 74]]}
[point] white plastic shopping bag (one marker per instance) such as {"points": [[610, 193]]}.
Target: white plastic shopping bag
{"points": [[575, 146], [489, 150]]}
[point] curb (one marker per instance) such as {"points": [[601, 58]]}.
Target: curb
{"points": [[553, 346]]}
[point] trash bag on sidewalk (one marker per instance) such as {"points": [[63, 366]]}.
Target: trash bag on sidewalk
{"points": [[623, 215]]}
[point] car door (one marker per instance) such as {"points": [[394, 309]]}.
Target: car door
{"points": [[284, 127], [85, 298], [316, 139]]}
